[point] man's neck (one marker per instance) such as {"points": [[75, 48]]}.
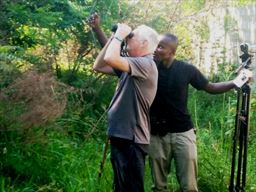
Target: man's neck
{"points": [[167, 63]]}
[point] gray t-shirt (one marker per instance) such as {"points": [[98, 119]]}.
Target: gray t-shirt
{"points": [[128, 113]]}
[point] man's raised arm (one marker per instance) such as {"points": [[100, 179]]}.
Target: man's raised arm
{"points": [[100, 65], [94, 22]]}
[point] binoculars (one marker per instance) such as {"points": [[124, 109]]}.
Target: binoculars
{"points": [[114, 28]]}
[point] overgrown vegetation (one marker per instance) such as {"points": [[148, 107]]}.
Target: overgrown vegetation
{"points": [[53, 106]]}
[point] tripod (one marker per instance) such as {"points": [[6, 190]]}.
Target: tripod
{"points": [[240, 139]]}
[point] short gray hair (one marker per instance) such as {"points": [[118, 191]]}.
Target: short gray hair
{"points": [[150, 35]]}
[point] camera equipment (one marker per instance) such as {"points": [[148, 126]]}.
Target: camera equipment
{"points": [[245, 57], [123, 44], [248, 48], [240, 139]]}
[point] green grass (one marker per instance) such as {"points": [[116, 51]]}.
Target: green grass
{"points": [[59, 157]]}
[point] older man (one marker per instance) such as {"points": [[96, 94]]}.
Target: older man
{"points": [[128, 113]]}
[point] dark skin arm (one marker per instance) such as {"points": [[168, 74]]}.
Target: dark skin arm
{"points": [[243, 77], [221, 87], [94, 22]]}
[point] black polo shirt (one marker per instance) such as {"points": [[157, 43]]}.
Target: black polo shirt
{"points": [[169, 111]]}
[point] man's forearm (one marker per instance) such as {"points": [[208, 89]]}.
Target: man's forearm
{"points": [[99, 64], [112, 56], [221, 87], [101, 37]]}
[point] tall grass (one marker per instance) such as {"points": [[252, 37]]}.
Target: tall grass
{"points": [[60, 163], [215, 119], [65, 155]]}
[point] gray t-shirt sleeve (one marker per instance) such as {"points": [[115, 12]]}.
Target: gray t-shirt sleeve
{"points": [[140, 66]]}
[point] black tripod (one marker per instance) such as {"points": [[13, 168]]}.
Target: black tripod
{"points": [[240, 139]]}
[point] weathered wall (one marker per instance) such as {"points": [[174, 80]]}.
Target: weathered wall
{"points": [[228, 29]]}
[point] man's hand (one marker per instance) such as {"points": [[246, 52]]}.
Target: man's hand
{"points": [[94, 20], [112, 56], [122, 31], [243, 77]]}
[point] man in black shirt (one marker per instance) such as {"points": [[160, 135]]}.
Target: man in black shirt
{"points": [[172, 130]]}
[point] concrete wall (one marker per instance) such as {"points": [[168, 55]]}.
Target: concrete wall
{"points": [[225, 38]]}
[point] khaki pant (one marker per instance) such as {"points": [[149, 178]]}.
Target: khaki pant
{"points": [[182, 148]]}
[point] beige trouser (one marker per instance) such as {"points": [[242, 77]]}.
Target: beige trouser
{"points": [[182, 148]]}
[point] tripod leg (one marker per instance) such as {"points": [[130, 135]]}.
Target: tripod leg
{"points": [[240, 159], [246, 133], [242, 131], [244, 159], [235, 139], [241, 155]]}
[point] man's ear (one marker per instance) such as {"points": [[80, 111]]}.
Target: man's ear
{"points": [[144, 43], [172, 51]]}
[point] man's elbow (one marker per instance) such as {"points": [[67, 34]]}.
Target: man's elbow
{"points": [[109, 60], [210, 88], [95, 68]]}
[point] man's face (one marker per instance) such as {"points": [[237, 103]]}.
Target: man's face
{"points": [[165, 49], [133, 43]]}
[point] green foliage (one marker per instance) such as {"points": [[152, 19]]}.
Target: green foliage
{"points": [[243, 2], [64, 154], [203, 30], [192, 6], [184, 51], [214, 117], [57, 163]]}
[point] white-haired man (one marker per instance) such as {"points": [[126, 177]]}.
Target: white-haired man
{"points": [[128, 113]]}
